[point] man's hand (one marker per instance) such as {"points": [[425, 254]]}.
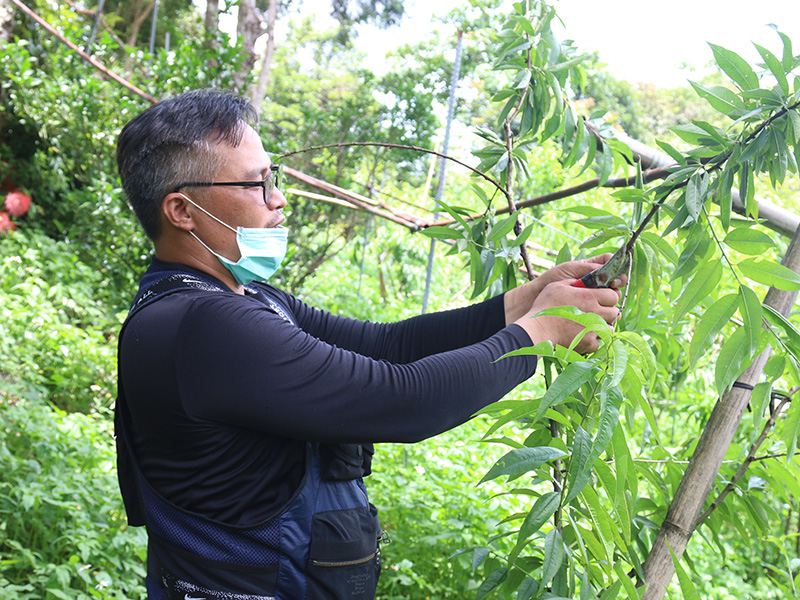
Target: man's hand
{"points": [[554, 288]]}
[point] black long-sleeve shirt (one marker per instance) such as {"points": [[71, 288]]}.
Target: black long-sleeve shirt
{"points": [[224, 390]]}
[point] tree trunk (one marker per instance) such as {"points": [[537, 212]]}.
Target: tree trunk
{"points": [[142, 12], [248, 29], [258, 91], [6, 21], [211, 25], [681, 520]]}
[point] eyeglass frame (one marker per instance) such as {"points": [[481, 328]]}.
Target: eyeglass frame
{"points": [[269, 180]]}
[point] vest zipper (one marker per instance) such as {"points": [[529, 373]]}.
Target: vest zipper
{"points": [[345, 563]]}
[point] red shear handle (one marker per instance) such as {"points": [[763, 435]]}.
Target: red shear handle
{"points": [[587, 281]]}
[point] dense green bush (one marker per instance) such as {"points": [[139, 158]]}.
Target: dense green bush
{"points": [[63, 532], [57, 333]]}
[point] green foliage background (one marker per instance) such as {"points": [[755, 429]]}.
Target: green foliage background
{"points": [[68, 273]]}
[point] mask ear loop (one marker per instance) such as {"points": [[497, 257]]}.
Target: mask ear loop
{"points": [[202, 243], [208, 213]]}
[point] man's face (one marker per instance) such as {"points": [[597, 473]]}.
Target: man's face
{"points": [[239, 206]]}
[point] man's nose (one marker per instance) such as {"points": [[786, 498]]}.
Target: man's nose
{"points": [[276, 199]]}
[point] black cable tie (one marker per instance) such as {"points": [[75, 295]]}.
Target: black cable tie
{"points": [[744, 386]]}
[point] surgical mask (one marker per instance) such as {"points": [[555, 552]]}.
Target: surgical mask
{"points": [[262, 250]]}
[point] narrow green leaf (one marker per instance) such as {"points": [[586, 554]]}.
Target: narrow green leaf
{"points": [[699, 287], [724, 197], [721, 98], [675, 154], [607, 166], [735, 67], [477, 557], [527, 589], [775, 66], [687, 587], [609, 419], [573, 377], [630, 589], [732, 360], [494, 579], [759, 399], [502, 228], [619, 363], [643, 348], [522, 460], [577, 477], [603, 525], [749, 241], [750, 309], [544, 508], [443, 232], [791, 429], [792, 339], [794, 118], [553, 556], [696, 194], [713, 320], [770, 273]]}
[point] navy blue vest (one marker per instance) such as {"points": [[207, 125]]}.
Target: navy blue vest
{"points": [[324, 544]]}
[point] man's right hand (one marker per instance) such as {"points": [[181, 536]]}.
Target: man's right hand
{"points": [[562, 331]]}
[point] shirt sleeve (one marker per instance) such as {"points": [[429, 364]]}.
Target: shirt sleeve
{"points": [[242, 364], [404, 341]]}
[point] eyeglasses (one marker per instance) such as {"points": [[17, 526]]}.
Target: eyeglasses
{"points": [[272, 180]]}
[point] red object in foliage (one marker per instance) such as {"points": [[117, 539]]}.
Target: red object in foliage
{"points": [[17, 203], [5, 223]]}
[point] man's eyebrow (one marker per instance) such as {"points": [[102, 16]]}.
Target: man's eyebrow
{"points": [[256, 174]]}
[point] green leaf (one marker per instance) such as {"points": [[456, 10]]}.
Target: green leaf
{"points": [[724, 197], [770, 273], [521, 461], [791, 429], [502, 228], [604, 526], [713, 320], [721, 98], [687, 587], [696, 194], [731, 361], [749, 241], [442, 232], [792, 340], [573, 377], [759, 399], [553, 556], [477, 557], [577, 477], [775, 67], [750, 309], [611, 400], [544, 508], [527, 589], [607, 166], [735, 67], [699, 287], [620, 362], [494, 579]]}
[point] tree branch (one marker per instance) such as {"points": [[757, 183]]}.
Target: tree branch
{"points": [[684, 511]]}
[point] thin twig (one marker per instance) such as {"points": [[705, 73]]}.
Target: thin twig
{"points": [[751, 457]]}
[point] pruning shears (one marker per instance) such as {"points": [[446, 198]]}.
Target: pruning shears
{"points": [[616, 266], [620, 262]]}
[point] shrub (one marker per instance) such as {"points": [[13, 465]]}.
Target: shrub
{"points": [[63, 532]]}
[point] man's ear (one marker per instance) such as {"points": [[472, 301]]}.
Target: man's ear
{"points": [[174, 208]]}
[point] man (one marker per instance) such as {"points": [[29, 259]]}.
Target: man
{"points": [[245, 418]]}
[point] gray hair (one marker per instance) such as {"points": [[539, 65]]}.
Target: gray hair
{"points": [[173, 142]]}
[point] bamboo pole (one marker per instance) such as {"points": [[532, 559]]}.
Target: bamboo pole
{"points": [[683, 514]]}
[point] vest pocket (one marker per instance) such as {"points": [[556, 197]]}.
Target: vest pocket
{"points": [[344, 559]]}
